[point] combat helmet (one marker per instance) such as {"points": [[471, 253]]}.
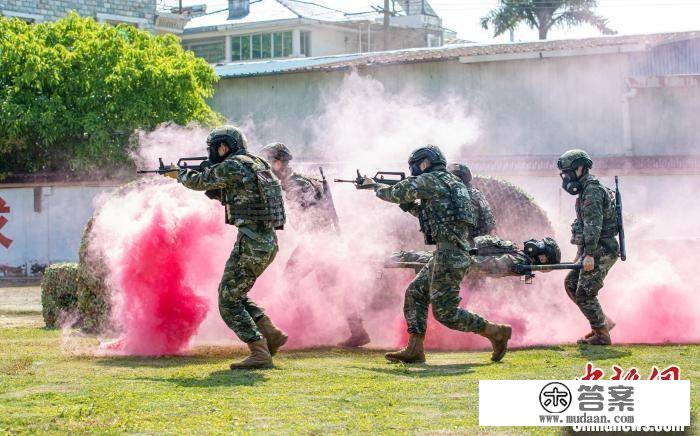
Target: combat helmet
{"points": [[231, 135], [276, 151], [430, 152], [547, 246], [572, 159], [462, 171]]}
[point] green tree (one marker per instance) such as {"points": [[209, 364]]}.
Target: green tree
{"points": [[73, 91], [543, 15]]}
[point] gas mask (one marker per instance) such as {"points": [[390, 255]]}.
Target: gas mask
{"points": [[213, 154], [570, 183], [415, 169]]}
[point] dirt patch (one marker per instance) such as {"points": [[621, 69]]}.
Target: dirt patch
{"points": [[22, 299], [11, 321]]}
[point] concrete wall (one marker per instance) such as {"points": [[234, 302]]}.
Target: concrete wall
{"points": [[43, 225], [536, 106], [139, 12]]}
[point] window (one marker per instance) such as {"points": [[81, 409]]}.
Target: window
{"points": [[211, 52], [261, 46], [27, 18], [122, 19], [256, 46], [305, 43]]}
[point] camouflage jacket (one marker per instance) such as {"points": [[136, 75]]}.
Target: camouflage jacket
{"points": [[485, 223], [444, 202], [238, 183], [498, 265], [595, 227], [307, 203]]}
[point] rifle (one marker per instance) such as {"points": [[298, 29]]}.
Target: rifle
{"points": [[328, 198], [527, 271], [379, 178], [182, 164], [618, 216]]}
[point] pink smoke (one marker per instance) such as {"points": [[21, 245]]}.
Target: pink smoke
{"points": [[652, 296]]}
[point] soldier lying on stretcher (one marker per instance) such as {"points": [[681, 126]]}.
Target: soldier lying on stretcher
{"points": [[494, 257]]}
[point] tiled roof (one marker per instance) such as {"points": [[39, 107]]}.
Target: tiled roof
{"points": [[445, 53]]}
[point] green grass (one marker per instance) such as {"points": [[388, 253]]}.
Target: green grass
{"points": [[311, 391]]}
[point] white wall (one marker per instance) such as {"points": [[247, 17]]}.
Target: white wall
{"points": [[50, 235]]}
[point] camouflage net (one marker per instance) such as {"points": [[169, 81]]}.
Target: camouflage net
{"points": [[59, 289], [518, 217]]}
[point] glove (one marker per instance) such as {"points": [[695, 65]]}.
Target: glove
{"points": [[172, 174]]}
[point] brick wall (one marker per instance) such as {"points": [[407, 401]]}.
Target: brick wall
{"points": [[139, 12]]}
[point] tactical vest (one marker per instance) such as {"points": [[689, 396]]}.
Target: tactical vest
{"points": [[609, 229], [266, 204], [441, 210]]}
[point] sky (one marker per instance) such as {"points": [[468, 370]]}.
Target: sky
{"points": [[625, 16]]}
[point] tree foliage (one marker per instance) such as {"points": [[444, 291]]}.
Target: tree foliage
{"points": [[73, 91], [543, 15]]}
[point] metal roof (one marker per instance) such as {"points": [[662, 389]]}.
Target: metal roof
{"points": [[445, 53]]}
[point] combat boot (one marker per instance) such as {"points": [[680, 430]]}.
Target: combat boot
{"points": [[274, 336], [498, 334], [600, 336], [608, 322], [413, 353], [358, 334], [259, 357]]}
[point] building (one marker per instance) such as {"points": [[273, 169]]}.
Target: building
{"points": [[620, 95], [632, 101], [268, 29], [140, 13]]}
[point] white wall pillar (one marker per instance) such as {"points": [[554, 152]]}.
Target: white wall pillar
{"points": [[296, 42], [227, 48]]}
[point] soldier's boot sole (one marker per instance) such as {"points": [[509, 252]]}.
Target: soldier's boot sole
{"points": [[500, 344]]}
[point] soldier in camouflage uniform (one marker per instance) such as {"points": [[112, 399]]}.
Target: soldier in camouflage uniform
{"points": [[252, 197], [485, 222], [442, 204], [594, 232], [492, 257], [306, 200]]}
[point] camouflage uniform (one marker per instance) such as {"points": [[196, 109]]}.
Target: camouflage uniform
{"points": [[247, 189], [594, 232], [495, 258], [446, 215], [485, 222], [305, 196]]}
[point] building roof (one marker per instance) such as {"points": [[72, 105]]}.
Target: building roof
{"points": [[278, 10], [451, 53]]}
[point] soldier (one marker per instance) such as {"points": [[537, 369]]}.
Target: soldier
{"points": [[485, 223], [306, 200], [491, 257], [442, 204], [594, 232], [252, 197]]}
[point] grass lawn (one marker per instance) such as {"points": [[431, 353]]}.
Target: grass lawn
{"points": [[311, 391]]}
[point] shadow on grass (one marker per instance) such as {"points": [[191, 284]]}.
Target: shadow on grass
{"points": [[158, 362], [215, 379], [424, 370], [601, 352]]}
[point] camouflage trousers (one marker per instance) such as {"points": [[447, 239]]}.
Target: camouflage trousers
{"points": [[438, 284], [582, 288], [249, 258]]}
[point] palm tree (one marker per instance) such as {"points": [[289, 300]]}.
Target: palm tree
{"points": [[543, 14]]}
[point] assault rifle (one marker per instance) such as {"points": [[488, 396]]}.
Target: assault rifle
{"points": [[527, 271], [328, 198], [380, 178], [182, 164], [618, 216]]}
